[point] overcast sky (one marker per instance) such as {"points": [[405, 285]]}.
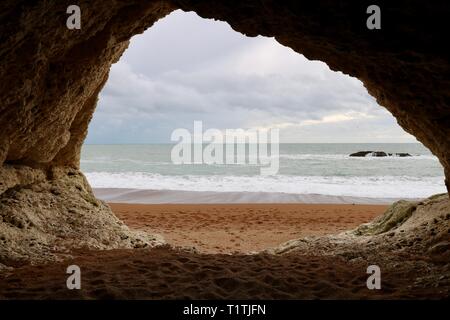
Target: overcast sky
{"points": [[186, 68]]}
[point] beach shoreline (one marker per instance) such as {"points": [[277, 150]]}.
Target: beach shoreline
{"points": [[147, 196]]}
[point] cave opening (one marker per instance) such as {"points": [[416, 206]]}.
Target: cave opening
{"points": [[51, 218], [185, 69]]}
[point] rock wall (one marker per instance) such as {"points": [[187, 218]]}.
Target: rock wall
{"points": [[51, 76], [49, 217], [406, 234]]}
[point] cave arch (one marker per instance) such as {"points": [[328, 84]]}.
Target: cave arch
{"points": [[51, 78], [52, 75]]}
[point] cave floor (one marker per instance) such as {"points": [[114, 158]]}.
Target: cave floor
{"points": [[323, 267], [168, 273]]}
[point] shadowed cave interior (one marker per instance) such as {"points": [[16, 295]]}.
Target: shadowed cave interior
{"points": [[51, 81]]}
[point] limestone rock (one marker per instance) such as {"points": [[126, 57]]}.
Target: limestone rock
{"points": [[40, 221], [412, 228]]}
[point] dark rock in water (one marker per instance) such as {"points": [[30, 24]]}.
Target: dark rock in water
{"points": [[378, 154], [370, 153], [360, 153], [401, 154]]}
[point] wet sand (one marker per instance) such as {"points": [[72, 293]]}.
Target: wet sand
{"points": [[145, 196]]}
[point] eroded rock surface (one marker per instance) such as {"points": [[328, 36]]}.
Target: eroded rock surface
{"points": [[51, 78], [416, 228], [50, 217]]}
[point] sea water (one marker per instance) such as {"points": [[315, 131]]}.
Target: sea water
{"points": [[304, 169]]}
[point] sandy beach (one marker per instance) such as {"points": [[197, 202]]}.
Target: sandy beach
{"points": [[211, 254], [166, 273], [242, 228]]}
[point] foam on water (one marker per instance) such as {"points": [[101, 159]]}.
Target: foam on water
{"points": [[375, 186], [304, 168]]}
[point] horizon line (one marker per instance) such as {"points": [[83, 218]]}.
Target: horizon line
{"points": [[174, 143]]}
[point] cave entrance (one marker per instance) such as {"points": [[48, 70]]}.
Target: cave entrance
{"points": [[186, 69]]}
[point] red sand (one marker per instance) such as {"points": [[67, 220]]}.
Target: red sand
{"points": [[230, 228], [167, 273]]}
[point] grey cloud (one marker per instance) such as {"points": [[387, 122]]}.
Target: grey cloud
{"points": [[186, 68]]}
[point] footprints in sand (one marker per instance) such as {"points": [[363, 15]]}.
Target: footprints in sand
{"points": [[242, 228], [164, 273]]}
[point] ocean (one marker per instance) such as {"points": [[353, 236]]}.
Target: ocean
{"points": [[323, 169]]}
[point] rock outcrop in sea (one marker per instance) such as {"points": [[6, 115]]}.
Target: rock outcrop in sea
{"points": [[379, 154]]}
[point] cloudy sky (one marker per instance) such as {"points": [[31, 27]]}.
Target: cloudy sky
{"points": [[186, 68]]}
